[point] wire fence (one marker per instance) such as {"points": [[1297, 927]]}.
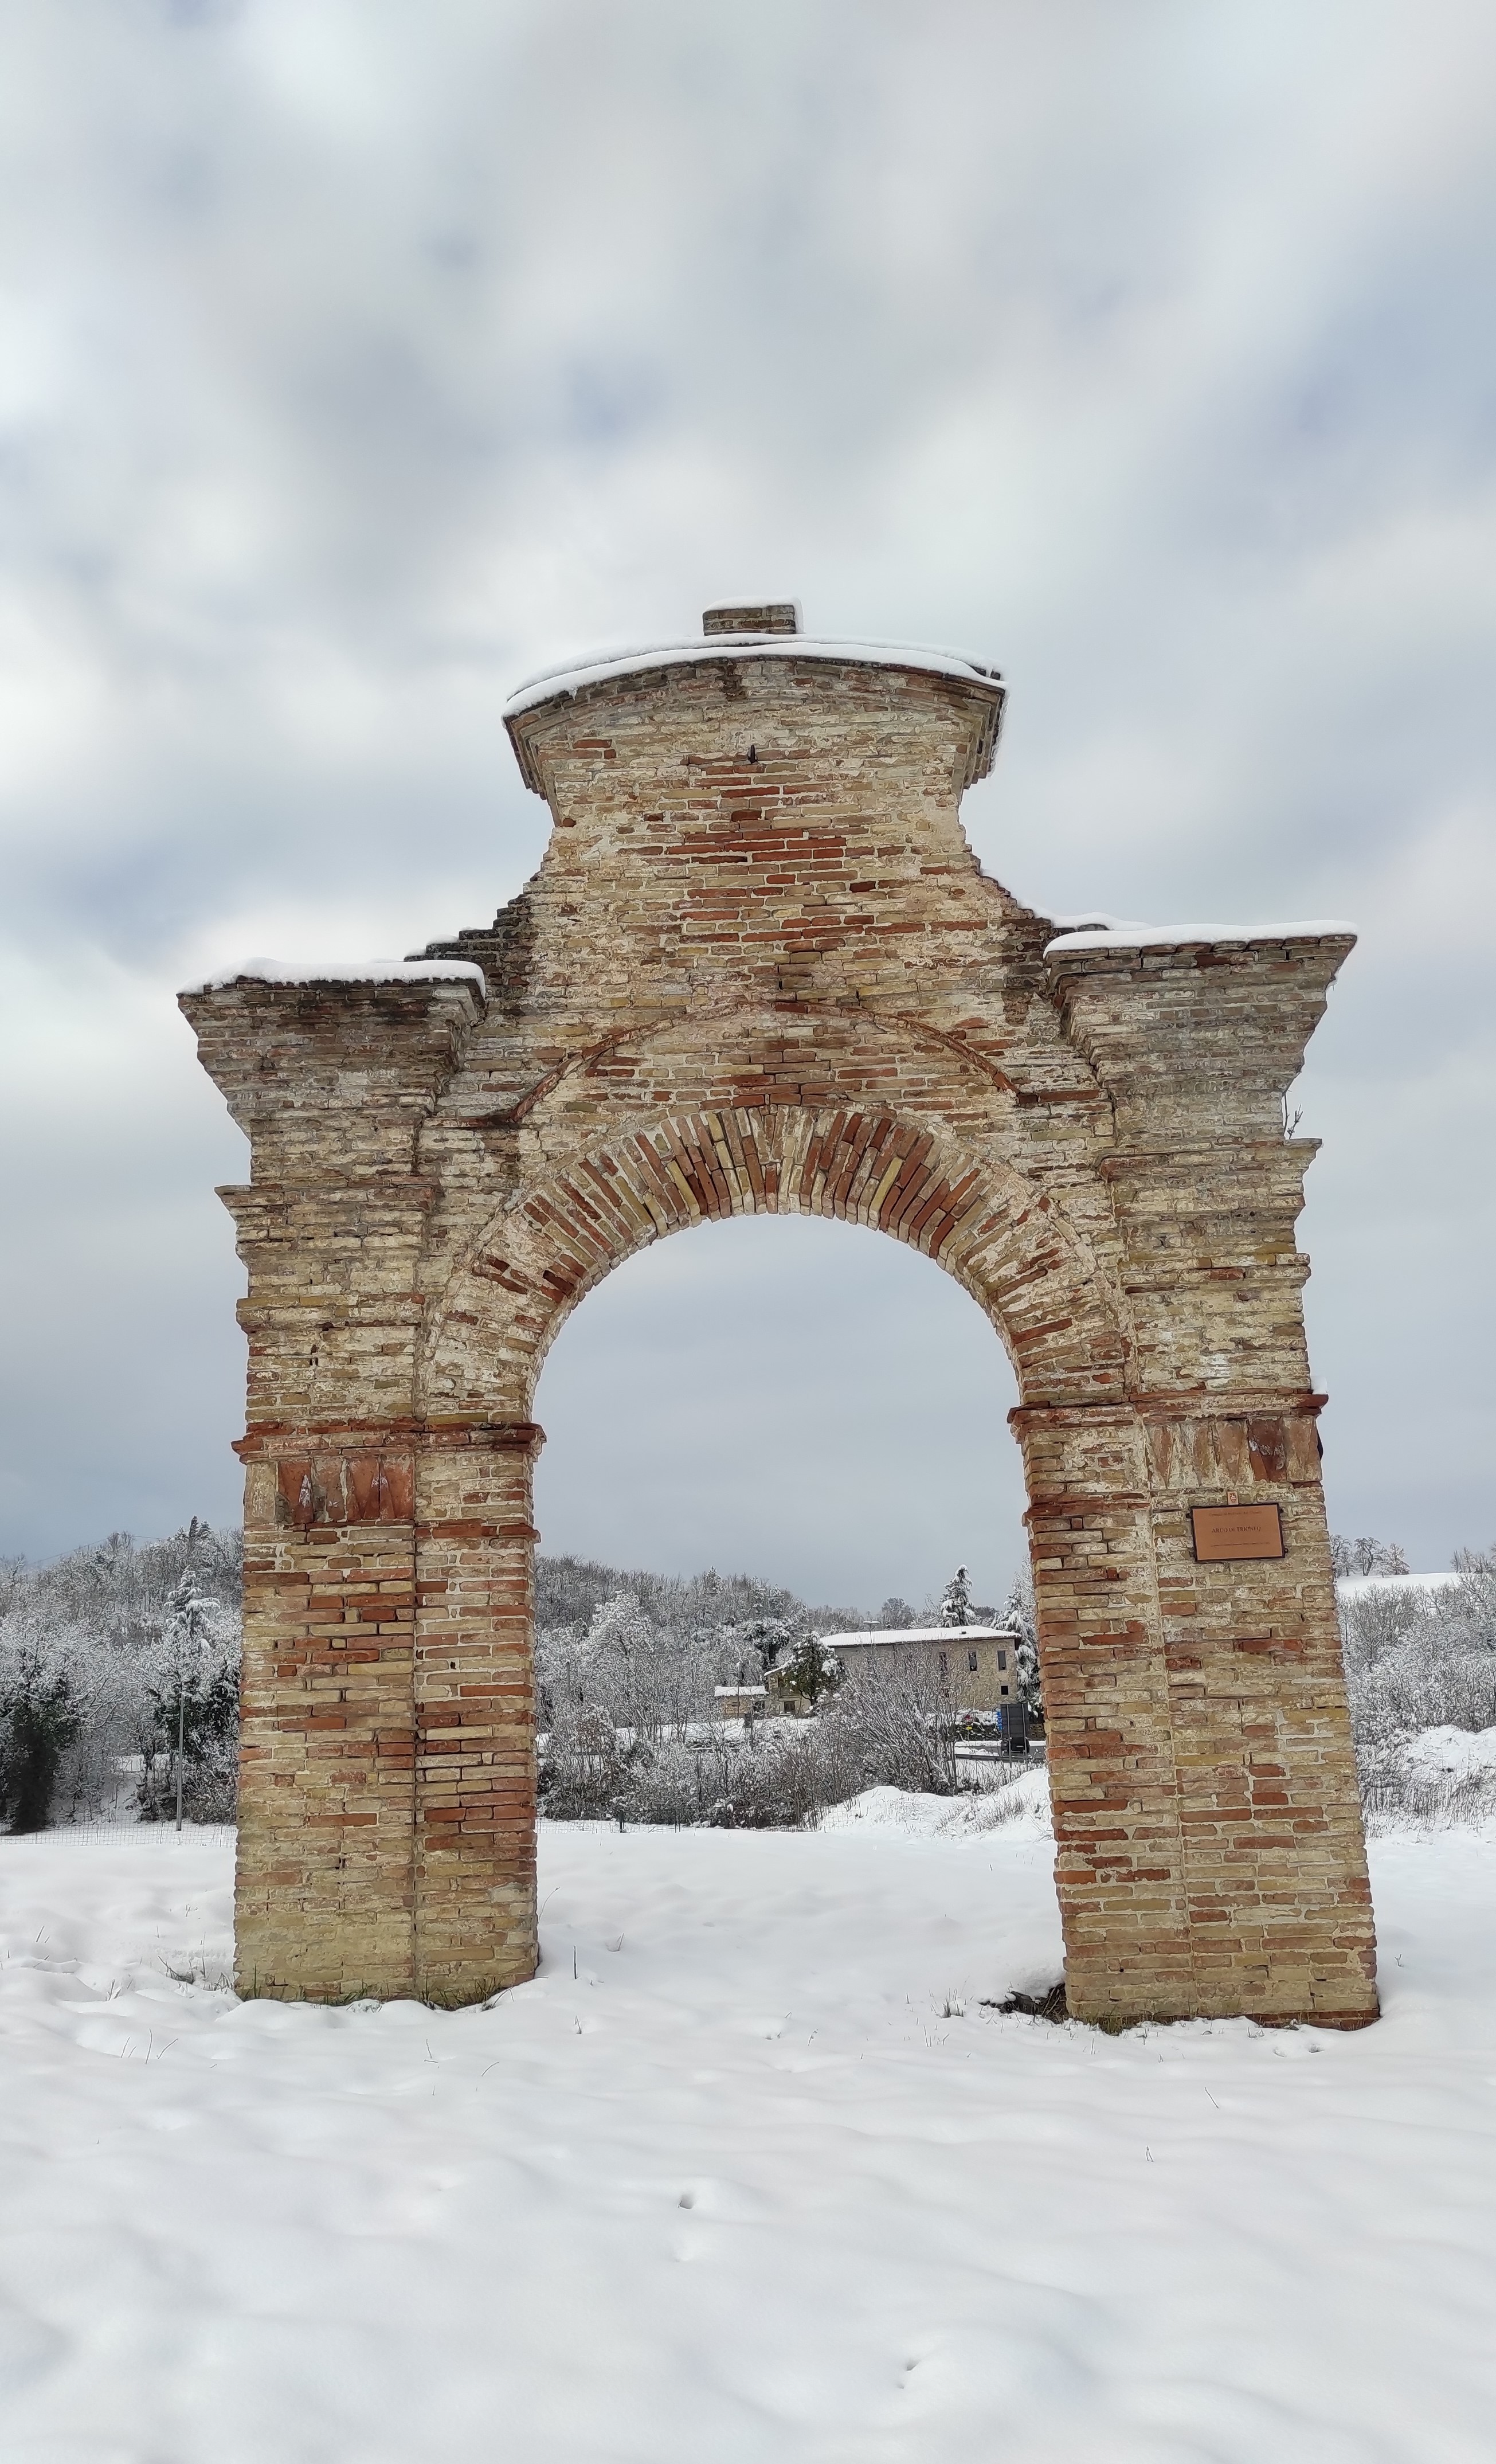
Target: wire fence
{"points": [[152, 1838]]}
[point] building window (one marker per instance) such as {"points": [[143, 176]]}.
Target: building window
{"points": [[1002, 1659], [944, 1665], [971, 1663], [1004, 1689]]}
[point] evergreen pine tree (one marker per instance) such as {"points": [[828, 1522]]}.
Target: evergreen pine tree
{"points": [[956, 1602]]}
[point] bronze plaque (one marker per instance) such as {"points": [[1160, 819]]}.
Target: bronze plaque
{"points": [[1226, 1532]]}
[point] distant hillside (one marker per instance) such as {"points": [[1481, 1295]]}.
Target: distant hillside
{"points": [[569, 1591]]}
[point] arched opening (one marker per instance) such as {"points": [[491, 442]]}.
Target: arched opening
{"points": [[768, 1444], [795, 1398], [568, 1227]]}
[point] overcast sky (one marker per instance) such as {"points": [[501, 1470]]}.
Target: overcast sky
{"points": [[359, 356]]}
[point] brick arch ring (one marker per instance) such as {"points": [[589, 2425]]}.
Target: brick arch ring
{"points": [[980, 1222]]}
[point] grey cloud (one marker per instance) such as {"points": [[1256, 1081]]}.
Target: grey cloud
{"points": [[831, 1406], [361, 358]]}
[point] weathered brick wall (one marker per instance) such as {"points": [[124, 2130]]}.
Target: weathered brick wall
{"points": [[474, 1711], [760, 971]]}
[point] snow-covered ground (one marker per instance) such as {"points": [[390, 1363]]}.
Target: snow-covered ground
{"points": [[747, 2173]]}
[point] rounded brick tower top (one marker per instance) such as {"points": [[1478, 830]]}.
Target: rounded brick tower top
{"points": [[801, 699]]}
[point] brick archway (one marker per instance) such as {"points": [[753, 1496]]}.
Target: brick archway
{"points": [[987, 1226], [759, 970]]}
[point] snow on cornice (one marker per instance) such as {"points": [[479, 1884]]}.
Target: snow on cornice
{"points": [[1108, 933], [342, 971], [601, 667]]}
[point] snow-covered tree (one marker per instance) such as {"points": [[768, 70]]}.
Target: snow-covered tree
{"points": [[956, 1600], [1018, 1614], [1365, 1556], [89, 1651], [40, 1717], [192, 1752], [1418, 1658], [810, 1669], [633, 1671]]}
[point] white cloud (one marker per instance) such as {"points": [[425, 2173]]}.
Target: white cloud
{"points": [[358, 360]]}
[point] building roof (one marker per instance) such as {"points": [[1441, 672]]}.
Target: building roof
{"points": [[920, 1633]]}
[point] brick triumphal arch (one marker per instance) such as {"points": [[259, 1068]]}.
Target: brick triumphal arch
{"points": [[760, 970]]}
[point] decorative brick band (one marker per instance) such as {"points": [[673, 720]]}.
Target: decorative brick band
{"points": [[451, 1432], [335, 1490], [1193, 1403], [275, 1441], [344, 1480]]}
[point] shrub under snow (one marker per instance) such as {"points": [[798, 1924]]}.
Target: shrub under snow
{"points": [[1422, 1658], [106, 1658]]}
